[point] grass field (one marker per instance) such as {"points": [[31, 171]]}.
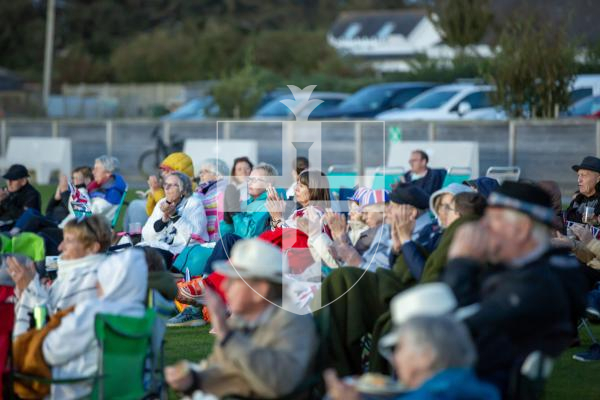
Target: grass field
{"points": [[570, 379]]}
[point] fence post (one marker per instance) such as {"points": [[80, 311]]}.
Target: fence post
{"points": [[226, 130], [3, 137], [431, 131], [167, 132], [54, 128], [512, 142], [109, 137], [358, 154]]}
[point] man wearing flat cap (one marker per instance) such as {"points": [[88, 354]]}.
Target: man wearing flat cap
{"points": [[18, 196], [588, 193], [524, 294]]}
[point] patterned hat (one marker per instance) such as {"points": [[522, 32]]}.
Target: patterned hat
{"points": [[371, 197]]}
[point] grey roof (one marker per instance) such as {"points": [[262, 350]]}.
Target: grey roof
{"points": [[371, 22]]}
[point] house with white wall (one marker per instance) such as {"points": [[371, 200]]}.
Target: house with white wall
{"points": [[389, 39]]}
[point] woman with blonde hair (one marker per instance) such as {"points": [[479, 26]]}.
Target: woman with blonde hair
{"points": [[82, 249]]}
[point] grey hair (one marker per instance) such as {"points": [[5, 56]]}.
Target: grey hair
{"points": [[111, 164], [218, 166], [186, 183], [269, 169], [446, 338]]}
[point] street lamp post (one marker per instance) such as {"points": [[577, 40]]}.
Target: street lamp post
{"points": [[48, 51]]}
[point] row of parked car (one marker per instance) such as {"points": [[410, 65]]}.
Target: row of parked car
{"points": [[403, 101]]}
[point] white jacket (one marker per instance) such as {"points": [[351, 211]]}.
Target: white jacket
{"points": [[71, 349], [75, 282], [176, 234]]}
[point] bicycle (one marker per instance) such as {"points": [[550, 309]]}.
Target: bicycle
{"points": [[150, 159]]}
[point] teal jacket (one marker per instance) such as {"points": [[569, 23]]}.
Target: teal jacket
{"points": [[251, 221]]}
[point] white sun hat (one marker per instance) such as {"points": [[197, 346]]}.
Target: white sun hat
{"points": [[254, 259], [429, 299]]}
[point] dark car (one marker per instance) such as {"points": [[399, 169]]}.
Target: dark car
{"points": [[374, 99]]}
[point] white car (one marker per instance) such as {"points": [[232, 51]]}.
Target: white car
{"points": [[461, 101]]}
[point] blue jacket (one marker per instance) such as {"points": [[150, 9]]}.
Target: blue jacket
{"points": [[252, 221], [378, 254], [431, 182], [111, 190], [453, 384]]}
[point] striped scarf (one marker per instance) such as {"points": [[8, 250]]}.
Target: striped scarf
{"points": [[212, 194]]}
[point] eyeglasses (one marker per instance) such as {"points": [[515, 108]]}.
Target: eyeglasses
{"points": [[168, 186], [253, 179], [445, 208]]}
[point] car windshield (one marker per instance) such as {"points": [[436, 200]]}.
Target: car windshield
{"points": [[274, 108], [587, 106], [430, 101], [371, 98], [193, 108]]}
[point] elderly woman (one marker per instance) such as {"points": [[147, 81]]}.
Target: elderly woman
{"points": [[82, 249], [139, 210], [433, 358], [107, 188], [211, 190], [175, 218], [122, 290], [248, 222]]}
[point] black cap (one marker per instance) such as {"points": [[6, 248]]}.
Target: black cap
{"points": [[16, 171], [526, 198], [590, 163], [410, 194]]}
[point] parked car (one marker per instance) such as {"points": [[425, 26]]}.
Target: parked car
{"points": [[197, 109], [588, 107], [276, 110], [449, 102], [584, 86], [374, 99]]}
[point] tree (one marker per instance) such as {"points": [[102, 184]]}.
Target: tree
{"points": [[238, 94], [533, 67], [22, 30], [461, 22]]}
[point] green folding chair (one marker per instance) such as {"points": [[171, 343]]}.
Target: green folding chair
{"points": [[125, 347], [119, 208]]}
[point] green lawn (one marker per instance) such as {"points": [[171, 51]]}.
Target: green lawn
{"points": [[570, 380]]}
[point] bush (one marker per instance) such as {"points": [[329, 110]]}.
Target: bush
{"points": [[75, 65], [186, 54], [239, 93]]}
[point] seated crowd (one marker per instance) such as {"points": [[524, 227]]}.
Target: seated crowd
{"points": [[427, 290]]}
